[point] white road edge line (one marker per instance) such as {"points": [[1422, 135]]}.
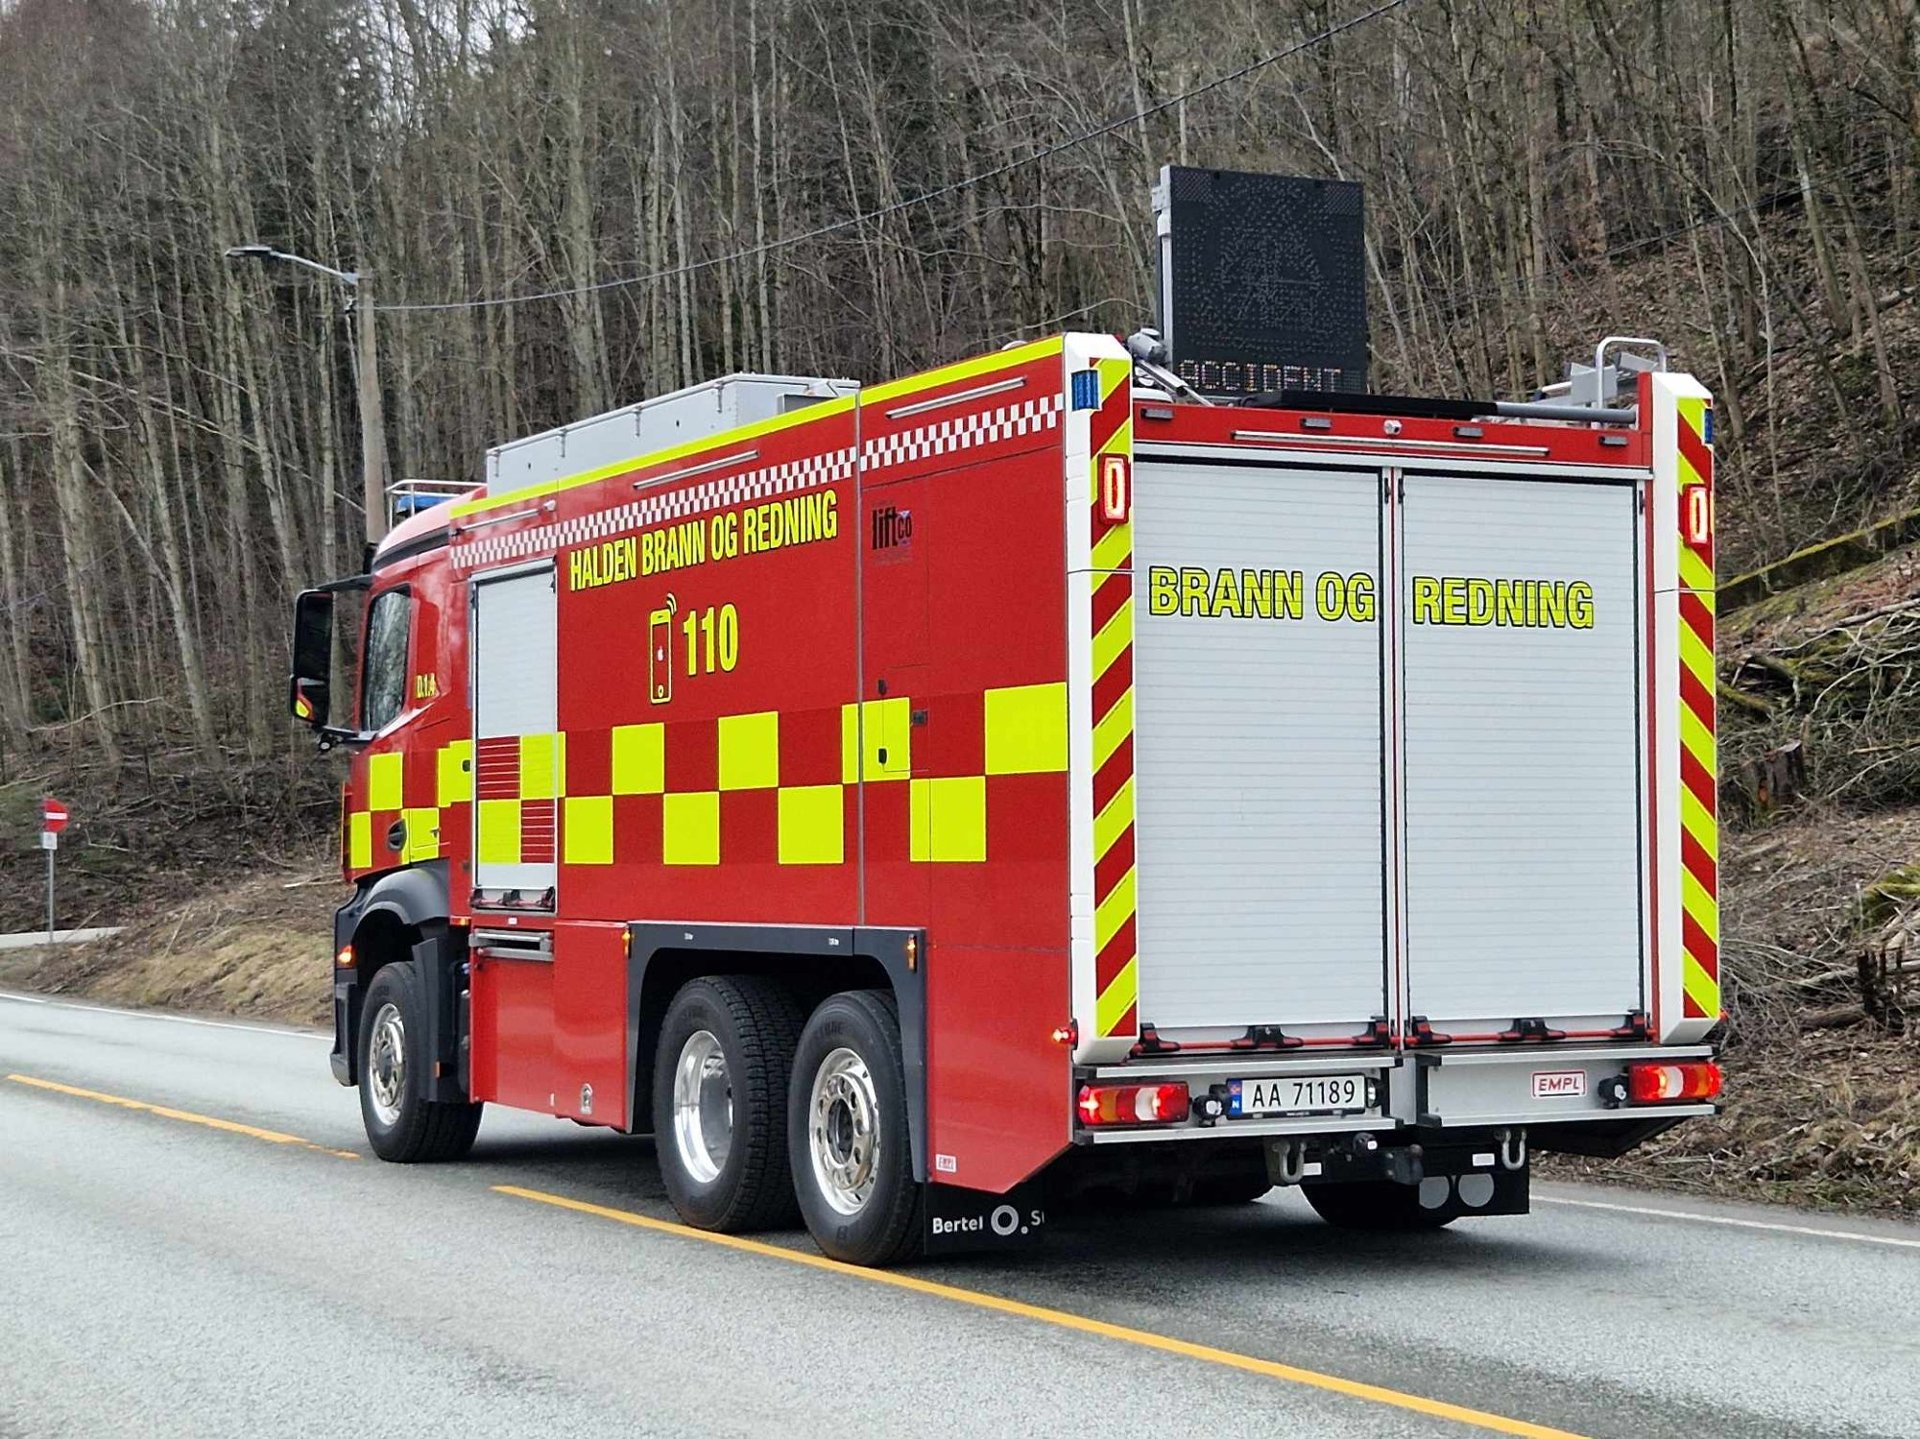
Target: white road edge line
{"points": [[169, 1018], [1801, 1229]]}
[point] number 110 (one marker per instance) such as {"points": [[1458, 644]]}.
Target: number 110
{"points": [[713, 639]]}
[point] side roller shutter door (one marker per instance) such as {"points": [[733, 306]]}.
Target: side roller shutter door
{"points": [[518, 759]]}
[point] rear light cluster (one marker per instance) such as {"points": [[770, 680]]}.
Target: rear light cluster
{"points": [[1671, 1083], [1133, 1103]]}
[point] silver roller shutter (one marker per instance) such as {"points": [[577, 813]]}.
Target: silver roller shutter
{"points": [[1257, 752], [1522, 810]]}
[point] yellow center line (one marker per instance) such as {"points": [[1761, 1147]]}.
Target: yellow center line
{"points": [[1060, 1318], [185, 1116]]}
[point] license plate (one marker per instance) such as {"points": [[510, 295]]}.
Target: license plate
{"points": [[1307, 1094]]}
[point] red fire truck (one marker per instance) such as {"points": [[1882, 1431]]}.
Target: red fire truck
{"points": [[905, 801]]}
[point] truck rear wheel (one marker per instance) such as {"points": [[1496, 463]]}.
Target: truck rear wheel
{"points": [[1380, 1206], [847, 1132], [1223, 1189], [403, 1125], [720, 1102]]}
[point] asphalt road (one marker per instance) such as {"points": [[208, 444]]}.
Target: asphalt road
{"points": [[160, 1274]]}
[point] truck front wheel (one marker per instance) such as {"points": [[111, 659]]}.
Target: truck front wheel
{"points": [[403, 1125], [720, 1102], [847, 1131], [1380, 1206]]}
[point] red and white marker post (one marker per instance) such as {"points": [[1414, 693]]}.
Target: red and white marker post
{"points": [[53, 819]]}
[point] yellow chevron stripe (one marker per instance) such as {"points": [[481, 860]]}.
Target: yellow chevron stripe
{"points": [[1699, 905], [1113, 640], [1113, 1003], [1113, 911], [1115, 727], [1695, 820], [1114, 549], [1696, 576], [1695, 655], [1112, 821], [1687, 475], [1697, 739], [1701, 987]]}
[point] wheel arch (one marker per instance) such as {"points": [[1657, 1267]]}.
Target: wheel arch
{"points": [[816, 960], [400, 914]]}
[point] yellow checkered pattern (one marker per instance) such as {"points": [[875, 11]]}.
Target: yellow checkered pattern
{"points": [[1025, 731]]}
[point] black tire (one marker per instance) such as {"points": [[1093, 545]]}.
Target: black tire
{"points": [[402, 1124], [1208, 1191], [1220, 1189], [756, 1024], [883, 1228], [1381, 1207]]}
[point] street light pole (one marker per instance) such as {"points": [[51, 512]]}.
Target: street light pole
{"points": [[373, 424]]}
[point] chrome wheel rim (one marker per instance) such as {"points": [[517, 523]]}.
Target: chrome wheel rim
{"points": [[387, 1063], [702, 1107], [843, 1131]]}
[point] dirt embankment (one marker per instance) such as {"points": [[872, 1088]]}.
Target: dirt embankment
{"points": [[257, 947], [223, 876], [157, 828], [1820, 896], [1822, 1101]]}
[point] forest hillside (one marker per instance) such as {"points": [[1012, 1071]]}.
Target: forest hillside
{"points": [[563, 206]]}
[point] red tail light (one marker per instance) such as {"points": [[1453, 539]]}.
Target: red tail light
{"points": [[1669, 1083], [1133, 1103]]}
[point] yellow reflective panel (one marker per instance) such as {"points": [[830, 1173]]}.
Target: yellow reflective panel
{"points": [[1026, 729]]}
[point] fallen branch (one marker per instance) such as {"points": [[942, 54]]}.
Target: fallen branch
{"points": [[1838, 1017]]}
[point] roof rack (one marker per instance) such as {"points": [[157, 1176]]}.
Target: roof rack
{"points": [[406, 498]]}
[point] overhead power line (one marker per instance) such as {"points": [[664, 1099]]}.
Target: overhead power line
{"points": [[928, 197]]}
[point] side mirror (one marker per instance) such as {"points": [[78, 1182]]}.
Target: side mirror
{"points": [[308, 694]]}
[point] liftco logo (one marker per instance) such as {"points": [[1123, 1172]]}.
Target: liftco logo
{"points": [[892, 528], [1559, 1083]]}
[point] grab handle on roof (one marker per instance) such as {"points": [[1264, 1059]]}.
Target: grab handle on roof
{"points": [[1616, 342]]}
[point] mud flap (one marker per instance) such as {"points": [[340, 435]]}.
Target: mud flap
{"points": [[439, 975], [971, 1221]]}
